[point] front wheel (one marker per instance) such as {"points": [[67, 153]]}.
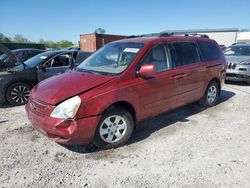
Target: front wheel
{"points": [[211, 95], [18, 93], [114, 128]]}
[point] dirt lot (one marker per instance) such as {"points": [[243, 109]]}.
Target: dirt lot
{"points": [[189, 147]]}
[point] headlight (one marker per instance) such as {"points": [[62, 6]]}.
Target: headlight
{"points": [[67, 109], [246, 62]]}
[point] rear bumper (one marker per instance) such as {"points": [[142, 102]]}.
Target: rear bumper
{"points": [[68, 132]]}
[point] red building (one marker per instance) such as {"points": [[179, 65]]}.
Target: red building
{"points": [[92, 42]]}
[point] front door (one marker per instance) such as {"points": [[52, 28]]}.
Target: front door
{"points": [[56, 65], [157, 94]]}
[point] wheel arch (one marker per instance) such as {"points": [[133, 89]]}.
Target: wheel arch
{"points": [[123, 104], [217, 80], [17, 81]]}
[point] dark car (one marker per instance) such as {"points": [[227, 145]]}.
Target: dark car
{"points": [[21, 56], [16, 83], [123, 83]]}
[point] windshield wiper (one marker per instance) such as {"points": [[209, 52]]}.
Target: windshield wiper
{"points": [[89, 71]]}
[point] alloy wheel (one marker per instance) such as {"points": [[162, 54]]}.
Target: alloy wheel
{"points": [[113, 128], [211, 94], [20, 94]]}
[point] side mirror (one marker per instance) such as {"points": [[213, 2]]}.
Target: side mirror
{"points": [[147, 70]]}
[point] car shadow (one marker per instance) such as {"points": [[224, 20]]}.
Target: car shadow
{"points": [[237, 83], [5, 105], [147, 127]]}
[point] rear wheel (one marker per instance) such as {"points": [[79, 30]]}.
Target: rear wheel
{"points": [[114, 128], [211, 95], [18, 93]]}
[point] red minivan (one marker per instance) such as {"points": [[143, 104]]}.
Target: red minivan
{"points": [[123, 83]]}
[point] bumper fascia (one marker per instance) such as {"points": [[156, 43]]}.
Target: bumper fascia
{"points": [[237, 75], [66, 132]]}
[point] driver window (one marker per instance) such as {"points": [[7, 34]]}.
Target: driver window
{"points": [[157, 55], [59, 61]]}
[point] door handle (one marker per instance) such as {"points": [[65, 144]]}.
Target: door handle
{"points": [[178, 76]]}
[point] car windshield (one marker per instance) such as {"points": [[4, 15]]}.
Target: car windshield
{"points": [[37, 59], [111, 59], [237, 51], [3, 56]]}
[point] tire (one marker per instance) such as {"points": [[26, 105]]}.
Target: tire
{"points": [[18, 93], [248, 82], [114, 129], [211, 95]]}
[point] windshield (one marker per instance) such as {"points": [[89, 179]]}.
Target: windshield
{"points": [[111, 59], [3, 56], [37, 59], [237, 51]]}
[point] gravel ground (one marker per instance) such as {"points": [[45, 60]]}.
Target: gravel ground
{"points": [[189, 147]]}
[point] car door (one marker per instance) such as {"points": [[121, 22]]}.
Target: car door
{"points": [[190, 71], [156, 94], [56, 65]]}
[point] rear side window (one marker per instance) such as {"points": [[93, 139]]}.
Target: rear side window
{"points": [[184, 53], [209, 51]]}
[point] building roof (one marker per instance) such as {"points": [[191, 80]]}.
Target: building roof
{"points": [[145, 40], [202, 30]]}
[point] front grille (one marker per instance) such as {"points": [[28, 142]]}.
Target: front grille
{"points": [[231, 65], [236, 75], [40, 107]]}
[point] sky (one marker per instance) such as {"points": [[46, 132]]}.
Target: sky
{"points": [[67, 19]]}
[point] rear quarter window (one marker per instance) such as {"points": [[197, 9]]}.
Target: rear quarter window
{"points": [[209, 51]]}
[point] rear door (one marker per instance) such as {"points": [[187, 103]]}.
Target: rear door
{"points": [[56, 65], [190, 71]]}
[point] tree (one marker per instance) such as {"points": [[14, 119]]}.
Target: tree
{"points": [[99, 31], [4, 39], [20, 39], [52, 44], [65, 43]]}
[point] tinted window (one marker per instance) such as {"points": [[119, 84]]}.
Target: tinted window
{"points": [[184, 53], [33, 53], [209, 51], [158, 57], [22, 55]]}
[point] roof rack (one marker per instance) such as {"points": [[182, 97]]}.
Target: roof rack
{"points": [[185, 34], [165, 34], [144, 35]]}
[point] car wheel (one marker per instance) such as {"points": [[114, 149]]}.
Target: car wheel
{"points": [[18, 93], [114, 128], [211, 95], [248, 82]]}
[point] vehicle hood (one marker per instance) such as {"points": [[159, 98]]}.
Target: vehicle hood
{"points": [[236, 59], [9, 53], [58, 88]]}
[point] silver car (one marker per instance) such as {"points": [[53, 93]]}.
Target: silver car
{"points": [[238, 62]]}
